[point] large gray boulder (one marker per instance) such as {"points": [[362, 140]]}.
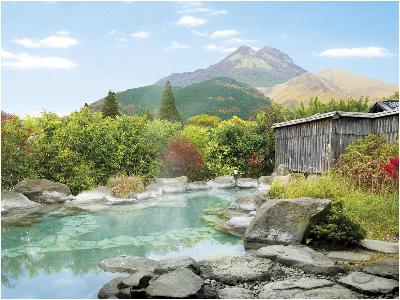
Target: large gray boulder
{"points": [[126, 263], [43, 191], [281, 170], [384, 267], [235, 293], [380, 246], [283, 221], [14, 200], [181, 283], [170, 264], [242, 268], [197, 186], [110, 289], [369, 284], [247, 183], [302, 257], [222, 182], [306, 288], [173, 185]]}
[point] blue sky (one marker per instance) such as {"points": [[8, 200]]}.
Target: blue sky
{"points": [[58, 55]]}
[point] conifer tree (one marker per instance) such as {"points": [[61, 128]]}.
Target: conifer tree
{"points": [[110, 106], [168, 109]]}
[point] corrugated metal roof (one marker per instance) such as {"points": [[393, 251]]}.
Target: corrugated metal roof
{"points": [[385, 106], [338, 114]]}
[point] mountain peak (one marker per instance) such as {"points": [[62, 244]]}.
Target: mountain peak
{"points": [[262, 68]]}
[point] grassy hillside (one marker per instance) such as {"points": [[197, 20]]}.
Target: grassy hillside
{"points": [[328, 84], [220, 96]]}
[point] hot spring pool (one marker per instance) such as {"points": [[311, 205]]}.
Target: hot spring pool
{"points": [[57, 255]]}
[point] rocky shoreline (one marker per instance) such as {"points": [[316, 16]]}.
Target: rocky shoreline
{"points": [[252, 275]]}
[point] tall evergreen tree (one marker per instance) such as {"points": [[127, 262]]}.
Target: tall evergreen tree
{"points": [[110, 106], [168, 109]]}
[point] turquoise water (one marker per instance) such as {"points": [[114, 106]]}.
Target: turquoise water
{"points": [[57, 255]]}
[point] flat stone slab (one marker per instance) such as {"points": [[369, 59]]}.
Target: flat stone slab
{"points": [[126, 263], [235, 293], [380, 246], [247, 183], [181, 283], [137, 280], [300, 256], [369, 284], [14, 200], [197, 186], [173, 263], [350, 255], [306, 288], [385, 267], [222, 182], [242, 268]]}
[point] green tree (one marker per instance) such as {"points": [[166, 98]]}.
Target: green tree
{"points": [[110, 106], [168, 109]]}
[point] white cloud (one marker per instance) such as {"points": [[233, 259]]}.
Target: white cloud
{"points": [[111, 32], [124, 40], [224, 33], [28, 61], [356, 52], [63, 32], [175, 46], [197, 7], [141, 35], [190, 21], [237, 41], [217, 48], [199, 33], [219, 12], [55, 41]]}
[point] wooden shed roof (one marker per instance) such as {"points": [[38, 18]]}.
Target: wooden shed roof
{"points": [[336, 114]]}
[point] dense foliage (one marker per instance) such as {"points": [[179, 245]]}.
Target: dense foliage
{"points": [[204, 120], [316, 106], [110, 106], [370, 163], [168, 109], [85, 149]]}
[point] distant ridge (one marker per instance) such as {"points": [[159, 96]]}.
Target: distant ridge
{"points": [[221, 96]]}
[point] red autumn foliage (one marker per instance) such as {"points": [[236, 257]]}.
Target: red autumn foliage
{"points": [[5, 117], [254, 161], [182, 158], [391, 168]]}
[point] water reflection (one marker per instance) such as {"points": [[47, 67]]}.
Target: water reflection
{"points": [[69, 245]]}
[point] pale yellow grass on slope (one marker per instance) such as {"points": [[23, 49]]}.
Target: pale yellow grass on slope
{"points": [[328, 84]]}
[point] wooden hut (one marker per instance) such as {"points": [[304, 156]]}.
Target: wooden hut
{"points": [[314, 143]]}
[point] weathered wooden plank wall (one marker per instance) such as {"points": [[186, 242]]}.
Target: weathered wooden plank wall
{"points": [[315, 145]]}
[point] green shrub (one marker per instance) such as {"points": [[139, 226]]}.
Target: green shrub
{"points": [[277, 190], [125, 186], [362, 163], [204, 120], [335, 229]]}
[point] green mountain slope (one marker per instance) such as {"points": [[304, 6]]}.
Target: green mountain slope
{"points": [[220, 96]]}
